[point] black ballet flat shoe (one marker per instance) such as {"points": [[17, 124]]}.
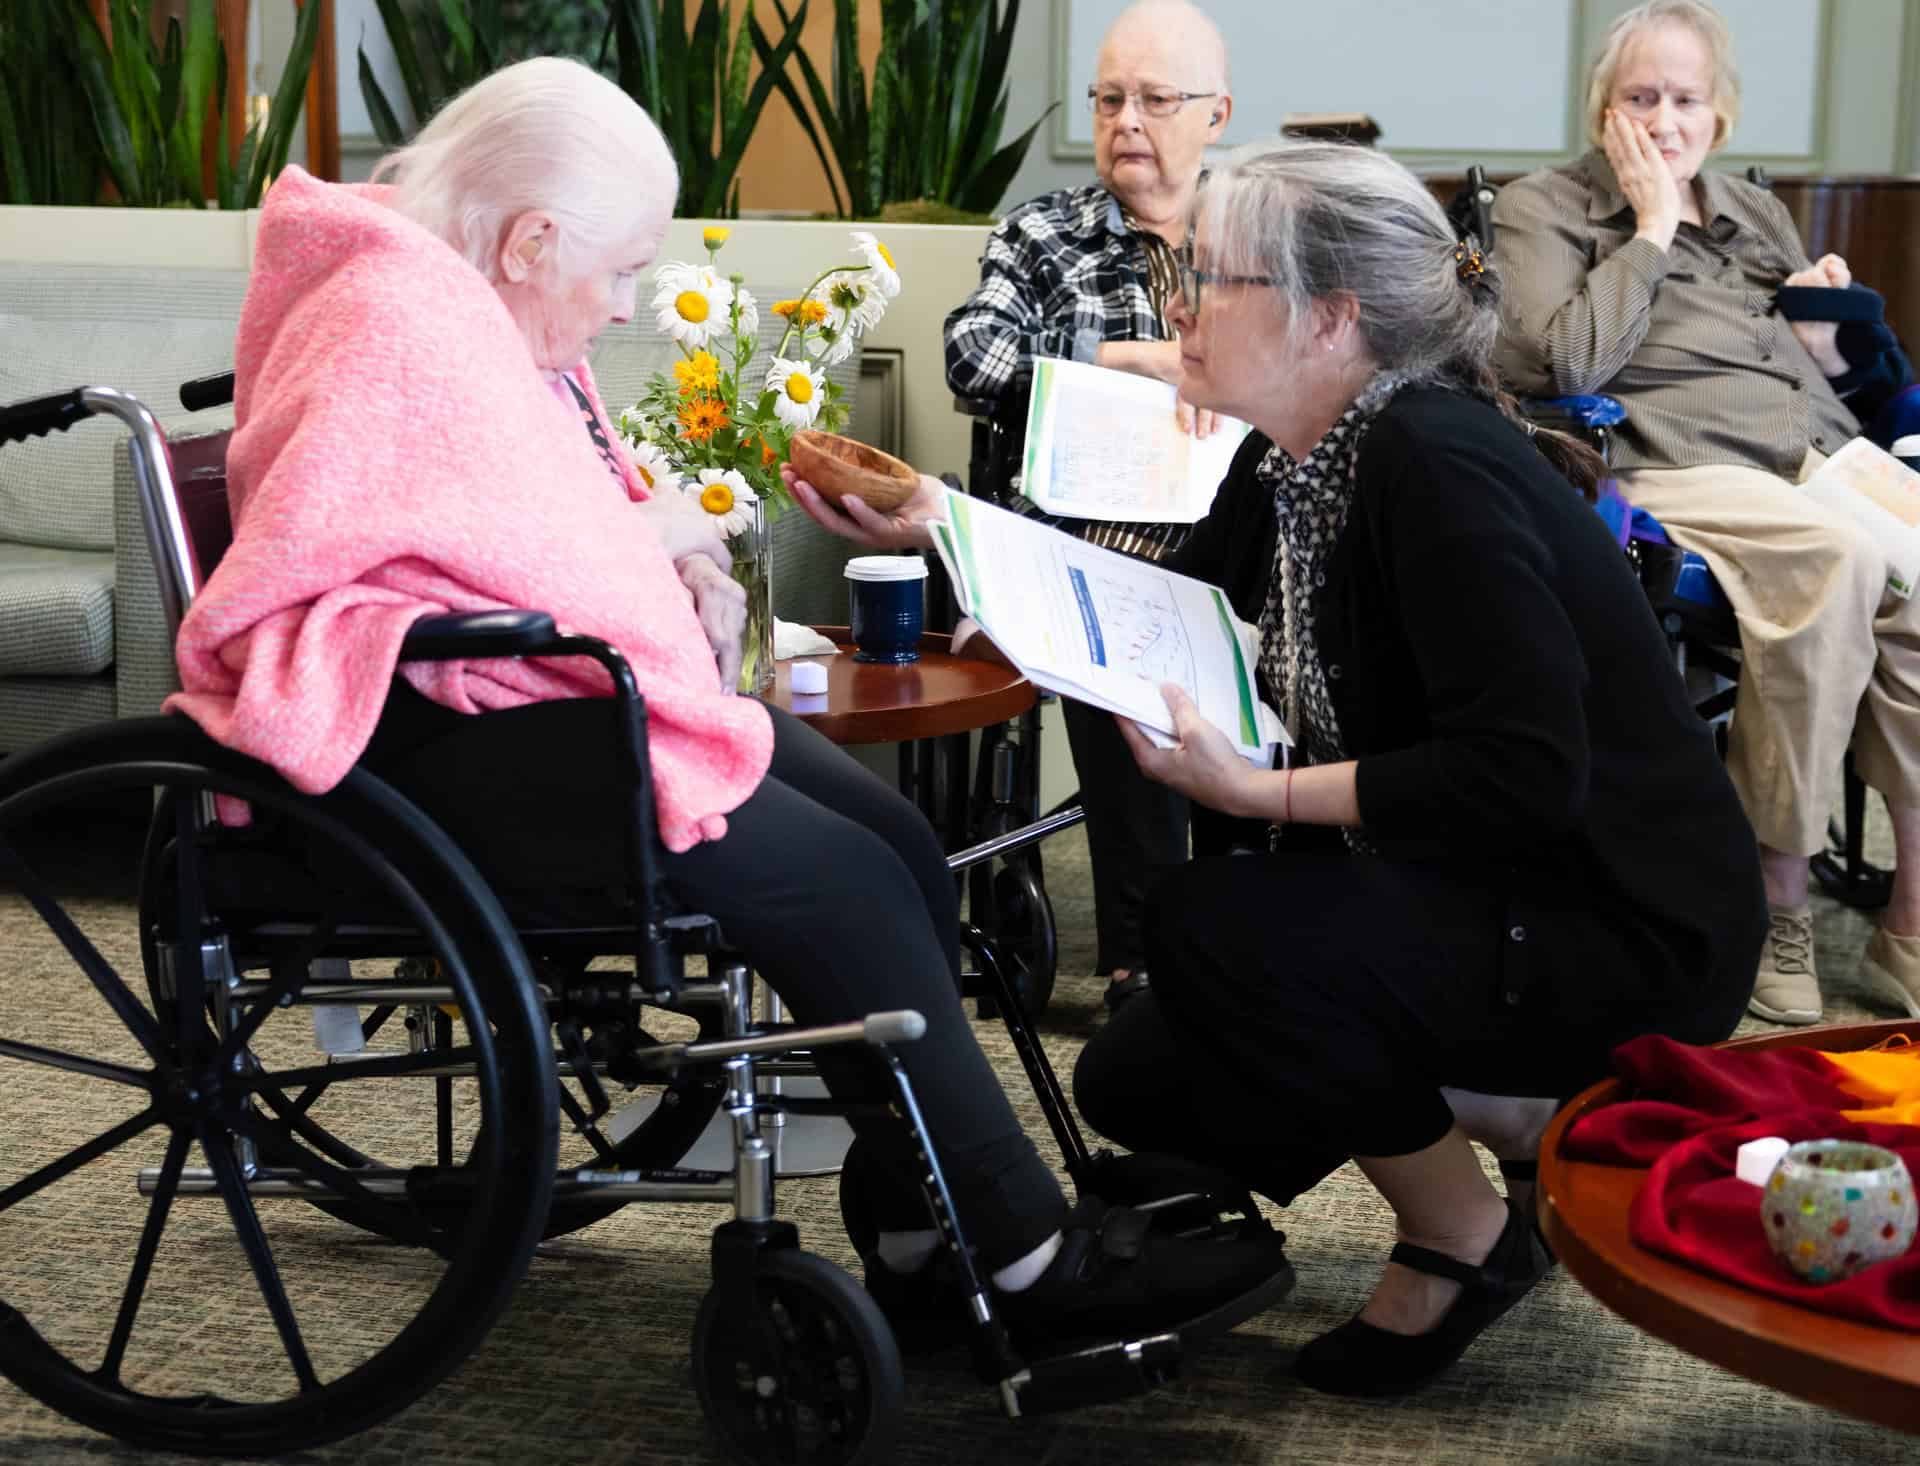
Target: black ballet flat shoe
{"points": [[1360, 1359], [1527, 1172], [1124, 989]]}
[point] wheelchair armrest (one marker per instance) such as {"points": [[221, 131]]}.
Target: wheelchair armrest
{"points": [[1586, 411], [977, 406], [478, 634]]}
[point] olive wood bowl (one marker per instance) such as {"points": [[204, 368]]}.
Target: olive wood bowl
{"points": [[839, 467]]}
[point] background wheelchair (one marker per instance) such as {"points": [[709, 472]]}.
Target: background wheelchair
{"points": [[1691, 608], [356, 899]]}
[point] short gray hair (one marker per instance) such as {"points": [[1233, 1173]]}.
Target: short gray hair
{"points": [[1695, 15], [1325, 219], [545, 134]]}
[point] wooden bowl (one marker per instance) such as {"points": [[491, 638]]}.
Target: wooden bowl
{"points": [[838, 466]]}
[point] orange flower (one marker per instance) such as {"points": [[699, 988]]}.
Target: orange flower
{"points": [[811, 312], [702, 417]]}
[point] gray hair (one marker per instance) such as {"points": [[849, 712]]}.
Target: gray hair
{"points": [[549, 135], [1324, 219], [1695, 15]]}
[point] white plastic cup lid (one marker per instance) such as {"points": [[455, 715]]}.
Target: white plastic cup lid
{"points": [[886, 567], [1907, 447]]}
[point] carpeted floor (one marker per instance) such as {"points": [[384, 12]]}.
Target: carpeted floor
{"points": [[589, 1364]]}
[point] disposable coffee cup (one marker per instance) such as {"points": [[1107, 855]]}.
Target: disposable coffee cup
{"points": [[1907, 450], [886, 606]]}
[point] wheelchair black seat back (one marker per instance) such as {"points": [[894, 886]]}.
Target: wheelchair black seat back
{"points": [[162, 1090]]}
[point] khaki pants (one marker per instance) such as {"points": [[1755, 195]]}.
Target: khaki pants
{"points": [[1830, 656]]}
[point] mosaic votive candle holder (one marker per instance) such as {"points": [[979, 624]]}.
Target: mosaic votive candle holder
{"points": [[1833, 1207]]}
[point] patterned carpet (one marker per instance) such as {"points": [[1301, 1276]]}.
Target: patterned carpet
{"points": [[589, 1363]]}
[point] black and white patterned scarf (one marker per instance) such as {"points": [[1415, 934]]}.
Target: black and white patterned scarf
{"points": [[1310, 500]]}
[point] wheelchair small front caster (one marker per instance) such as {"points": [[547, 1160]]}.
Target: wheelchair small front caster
{"points": [[809, 1374]]}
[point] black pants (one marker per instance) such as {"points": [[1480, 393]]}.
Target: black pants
{"points": [[1309, 1008], [1136, 832], [832, 884]]}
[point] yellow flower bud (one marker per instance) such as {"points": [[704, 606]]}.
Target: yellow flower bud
{"points": [[714, 235]]}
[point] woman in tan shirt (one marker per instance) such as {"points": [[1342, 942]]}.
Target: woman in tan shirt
{"points": [[1631, 271]]}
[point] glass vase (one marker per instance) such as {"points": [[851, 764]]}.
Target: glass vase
{"points": [[753, 567]]}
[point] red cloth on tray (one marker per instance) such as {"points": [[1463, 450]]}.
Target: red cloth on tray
{"points": [[1694, 1108]]}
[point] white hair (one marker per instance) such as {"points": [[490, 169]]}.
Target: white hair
{"points": [[1194, 35], [546, 135]]}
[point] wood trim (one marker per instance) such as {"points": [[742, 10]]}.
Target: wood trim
{"points": [[233, 16], [323, 99], [885, 368]]}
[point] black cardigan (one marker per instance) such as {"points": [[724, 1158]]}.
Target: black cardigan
{"points": [[1509, 698]]}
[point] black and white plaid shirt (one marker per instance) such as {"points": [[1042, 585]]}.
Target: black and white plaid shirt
{"points": [[1061, 275]]}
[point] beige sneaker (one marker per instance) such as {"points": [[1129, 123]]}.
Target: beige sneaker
{"points": [[1787, 990], [1891, 967]]}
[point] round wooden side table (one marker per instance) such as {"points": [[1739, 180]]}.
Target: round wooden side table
{"points": [[1855, 1368]]}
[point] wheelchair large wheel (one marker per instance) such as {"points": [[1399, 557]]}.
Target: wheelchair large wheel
{"points": [[674, 1110], [233, 1323], [809, 1375]]}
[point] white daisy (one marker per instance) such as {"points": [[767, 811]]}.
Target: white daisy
{"points": [[800, 391], [691, 303], [749, 312], [634, 425], [880, 266], [655, 469], [854, 303], [725, 494], [839, 345]]}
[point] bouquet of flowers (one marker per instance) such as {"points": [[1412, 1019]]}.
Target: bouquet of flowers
{"points": [[718, 427]]}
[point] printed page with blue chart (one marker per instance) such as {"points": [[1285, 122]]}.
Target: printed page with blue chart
{"points": [[1105, 628]]}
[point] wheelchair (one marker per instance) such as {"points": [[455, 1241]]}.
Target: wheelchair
{"points": [[258, 904], [1692, 609]]}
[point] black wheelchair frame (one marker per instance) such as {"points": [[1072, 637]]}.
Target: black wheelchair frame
{"points": [[792, 1359]]}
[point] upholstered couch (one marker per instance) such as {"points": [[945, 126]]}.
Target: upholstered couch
{"points": [[82, 638]]}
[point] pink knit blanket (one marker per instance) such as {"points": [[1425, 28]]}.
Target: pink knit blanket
{"points": [[398, 455]]}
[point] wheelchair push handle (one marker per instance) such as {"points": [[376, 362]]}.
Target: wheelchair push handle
{"points": [[205, 392], [40, 415], [900, 1026]]}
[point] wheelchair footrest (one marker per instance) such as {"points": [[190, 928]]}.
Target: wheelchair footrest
{"points": [[1095, 1376]]}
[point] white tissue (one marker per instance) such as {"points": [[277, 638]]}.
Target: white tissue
{"points": [[1755, 1160], [809, 677], [791, 639]]}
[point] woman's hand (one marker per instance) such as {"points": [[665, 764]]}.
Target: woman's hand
{"points": [[685, 530], [1161, 361], [1204, 765], [902, 528], [720, 601], [1821, 338], [1644, 177]]}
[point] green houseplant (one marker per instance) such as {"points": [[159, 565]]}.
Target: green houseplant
{"points": [[145, 105], [931, 128], [442, 48], [696, 83]]}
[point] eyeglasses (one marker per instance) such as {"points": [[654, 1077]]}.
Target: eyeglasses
{"points": [[1154, 101], [1191, 280]]}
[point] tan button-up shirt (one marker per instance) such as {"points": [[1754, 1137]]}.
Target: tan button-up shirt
{"points": [[1686, 337]]}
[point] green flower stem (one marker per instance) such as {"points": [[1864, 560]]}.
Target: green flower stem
{"points": [[807, 295]]}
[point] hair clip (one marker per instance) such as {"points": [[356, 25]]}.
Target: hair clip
{"points": [[1469, 264]]}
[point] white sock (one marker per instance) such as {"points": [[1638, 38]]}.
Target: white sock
{"points": [[1018, 1276], [907, 1252]]}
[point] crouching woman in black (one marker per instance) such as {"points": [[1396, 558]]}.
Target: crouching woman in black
{"points": [[1538, 855]]}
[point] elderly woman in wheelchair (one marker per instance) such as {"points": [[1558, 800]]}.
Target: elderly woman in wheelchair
{"points": [[389, 743], [1535, 853], [1687, 295]]}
